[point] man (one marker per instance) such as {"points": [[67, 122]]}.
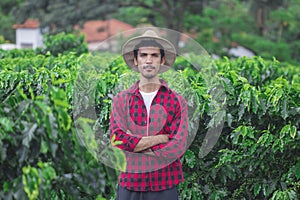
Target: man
{"points": [[149, 122]]}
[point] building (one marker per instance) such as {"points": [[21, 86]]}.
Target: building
{"points": [[28, 34], [98, 33]]}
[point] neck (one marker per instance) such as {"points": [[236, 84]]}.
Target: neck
{"points": [[149, 85]]}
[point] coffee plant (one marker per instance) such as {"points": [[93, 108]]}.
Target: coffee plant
{"points": [[256, 155]]}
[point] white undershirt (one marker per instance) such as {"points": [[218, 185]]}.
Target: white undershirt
{"points": [[148, 98]]}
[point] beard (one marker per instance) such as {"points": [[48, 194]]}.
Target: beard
{"points": [[149, 76]]}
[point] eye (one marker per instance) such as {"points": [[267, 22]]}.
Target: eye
{"points": [[143, 55], [155, 55]]}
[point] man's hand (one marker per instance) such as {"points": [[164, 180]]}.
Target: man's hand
{"points": [[164, 138], [148, 152], [149, 141]]}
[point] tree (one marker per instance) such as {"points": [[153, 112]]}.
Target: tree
{"points": [[285, 22], [171, 11], [261, 9], [7, 5], [62, 15], [7, 19]]}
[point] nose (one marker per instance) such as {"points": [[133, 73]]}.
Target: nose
{"points": [[149, 59]]}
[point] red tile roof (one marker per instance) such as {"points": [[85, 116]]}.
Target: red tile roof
{"points": [[98, 30], [29, 23], [94, 30]]}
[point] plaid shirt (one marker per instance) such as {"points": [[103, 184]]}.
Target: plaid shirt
{"points": [[168, 115]]}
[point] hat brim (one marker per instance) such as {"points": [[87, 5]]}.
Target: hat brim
{"points": [[170, 52]]}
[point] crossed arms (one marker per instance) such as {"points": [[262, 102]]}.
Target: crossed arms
{"points": [[174, 143]]}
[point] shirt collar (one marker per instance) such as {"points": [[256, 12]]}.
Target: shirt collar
{"points": [[134, 89]]}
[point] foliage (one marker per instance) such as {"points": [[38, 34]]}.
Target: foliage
{"points": [[214, 46], [61, 16], [78, 12], [218, 22], [142, 16], [217, 25], [256, 155], [7, 19], [6, 31], [45, 156], [55, 45], [7, 5], [65, 43], [2, 40], [41, 155], [17, 53], [282, 29], [224, 17], [228, 23], [268, 49]]}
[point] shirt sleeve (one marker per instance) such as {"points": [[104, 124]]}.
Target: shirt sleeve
{"points": [[118, 125], [177, 144]]}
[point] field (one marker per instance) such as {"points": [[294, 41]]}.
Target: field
{"points": [[54, 117]]}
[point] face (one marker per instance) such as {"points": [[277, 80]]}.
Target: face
{"points": [[148, 61]]}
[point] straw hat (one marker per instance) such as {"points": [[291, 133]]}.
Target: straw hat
{"points": [[170, 52]]}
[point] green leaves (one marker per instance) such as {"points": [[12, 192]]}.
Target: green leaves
{"points": [[28, 133], [63, 43], [288, 130], [42, 155], [31, 182], [190, 158], [61, 106], [289, 194], [36, 124], [6, 124], [256, 156], [297, 170], [35, 178]]}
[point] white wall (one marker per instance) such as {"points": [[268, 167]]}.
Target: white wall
{"points": [[7, 46], [28, 38]]}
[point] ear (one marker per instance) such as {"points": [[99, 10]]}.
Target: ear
{"points": [[163, 61], [135, 61]]}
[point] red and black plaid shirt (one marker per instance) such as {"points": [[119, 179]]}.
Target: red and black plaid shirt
{"points": [[168, 115]]}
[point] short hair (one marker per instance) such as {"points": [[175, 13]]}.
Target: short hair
{"points": [[148, 43]]}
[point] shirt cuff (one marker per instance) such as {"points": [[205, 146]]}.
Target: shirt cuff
{"points": [[132, 142]]}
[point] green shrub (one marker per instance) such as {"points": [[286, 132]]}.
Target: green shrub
{"points": [[17, 53], [61, 43], [295, 50], [2, 40], [256, 154], [265, 48], [43, 157], [64, 43], [217, 46]]}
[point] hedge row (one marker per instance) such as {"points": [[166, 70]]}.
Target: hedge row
{"points": [[42, 157], [256, 156]]}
